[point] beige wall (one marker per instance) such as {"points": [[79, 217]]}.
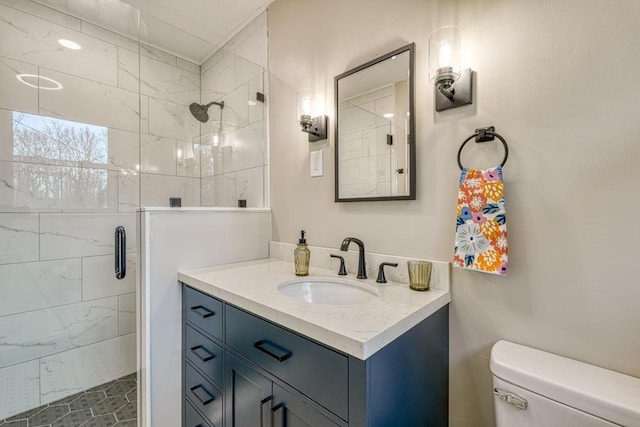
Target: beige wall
{"points": [[559, 80]]}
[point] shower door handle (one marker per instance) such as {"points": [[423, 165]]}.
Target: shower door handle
{"points": [[120, 252]]}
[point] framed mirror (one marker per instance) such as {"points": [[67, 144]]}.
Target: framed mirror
{"points": [[375, 152]]}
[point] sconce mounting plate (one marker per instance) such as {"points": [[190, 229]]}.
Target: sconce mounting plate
{"points": [[318, 129], [463, 92]]}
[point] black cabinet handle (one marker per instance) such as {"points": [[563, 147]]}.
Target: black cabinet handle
{"points": [[120, 252], [277, 413], [265, 416], [204, 354], [273, 350], [202, 311], [202, 394]]}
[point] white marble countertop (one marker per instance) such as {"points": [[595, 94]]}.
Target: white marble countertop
{"points": [[359, 329]]}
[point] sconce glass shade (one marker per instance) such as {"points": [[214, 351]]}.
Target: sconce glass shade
{"points": [[315, 126], [305, 106], [444, 54]]}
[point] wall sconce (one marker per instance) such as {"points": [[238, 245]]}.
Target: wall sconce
{"points": [[316, 127], [453, 86]]}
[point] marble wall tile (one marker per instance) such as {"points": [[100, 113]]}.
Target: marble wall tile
{"points": [[250, 187], [36, 285], [155, 190], [157, 155], [13, 94], [19, 388], [19, 240], [35, 334], [45, 12], [123, 153], [99, 280], [127, 314], [31, 39], [75, 370], [188, 66], [6, 134], [236, 108], [212, 60], [257, 109], [128, 191], [247, 147], [218, 80], [29, 186], [187, 159], [212, 158], [254, 45], [157, 54], [72, 235], [89, 102], [111, 37], [171, 120], [219, 191], [168, 82], [144, 114], [128, 69], [245, 70]]}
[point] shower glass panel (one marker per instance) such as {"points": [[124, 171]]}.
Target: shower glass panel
{"points": [[69, 159], [233, 148], [94, 124]]}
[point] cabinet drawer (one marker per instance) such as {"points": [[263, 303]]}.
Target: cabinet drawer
{"points": [[203, 311], [192, 418], [203, 395], [315, 370], [204, 354]]}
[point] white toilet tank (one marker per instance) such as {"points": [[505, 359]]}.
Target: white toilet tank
{"points": [[535, 388]]}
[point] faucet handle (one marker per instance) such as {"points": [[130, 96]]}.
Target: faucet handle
{"points": [[343, 269], [381, 278]]}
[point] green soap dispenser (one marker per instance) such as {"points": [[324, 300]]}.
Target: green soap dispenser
{"points": [[301, 256]]}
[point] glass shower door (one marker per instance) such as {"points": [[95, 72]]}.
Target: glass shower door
{"points": [[69, 154]]}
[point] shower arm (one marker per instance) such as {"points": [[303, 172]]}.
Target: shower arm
{"points": [[219, 104]]}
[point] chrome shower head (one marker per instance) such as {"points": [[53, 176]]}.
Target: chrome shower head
{"points": [[200, 112]]}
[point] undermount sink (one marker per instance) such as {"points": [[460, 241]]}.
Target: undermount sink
{"points": [[327, 290]]}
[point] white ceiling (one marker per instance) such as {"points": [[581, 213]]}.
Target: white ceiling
{"points": [[191, 29]]}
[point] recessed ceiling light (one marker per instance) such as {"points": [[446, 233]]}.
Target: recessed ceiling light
{"points": [[69, 44], [387, 115], [39, 82]]}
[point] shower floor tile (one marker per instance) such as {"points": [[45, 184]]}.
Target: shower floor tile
{"points": [[107, 405]]}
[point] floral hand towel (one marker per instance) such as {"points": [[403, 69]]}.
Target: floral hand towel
{"points": [[481, 226]]}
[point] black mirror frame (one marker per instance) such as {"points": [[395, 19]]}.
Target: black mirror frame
{"points": [[412, 127]]}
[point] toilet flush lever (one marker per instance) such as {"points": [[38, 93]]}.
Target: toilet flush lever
{"points": [[510, 398]]}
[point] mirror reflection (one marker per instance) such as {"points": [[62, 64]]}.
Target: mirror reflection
{"points": [[375, 150]]}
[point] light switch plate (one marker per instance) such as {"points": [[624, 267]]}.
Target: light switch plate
{"points": [[317, 167]]}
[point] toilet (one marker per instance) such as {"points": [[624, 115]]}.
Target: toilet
{"points": [[535, 388]]}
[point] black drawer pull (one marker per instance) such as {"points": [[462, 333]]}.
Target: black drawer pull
{"points": [[277, 413], [204, 354], [265, 418], [278, 353], [202, 311], [203, 396]]}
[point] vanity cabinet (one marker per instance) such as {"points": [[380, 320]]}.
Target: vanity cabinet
{"points": [[250, 372]]}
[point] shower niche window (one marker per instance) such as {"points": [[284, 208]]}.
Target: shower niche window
{"points": [[58, 160]]}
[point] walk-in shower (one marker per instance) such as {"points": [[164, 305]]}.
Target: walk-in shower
{"points": [[71, 173], [201, 112]]}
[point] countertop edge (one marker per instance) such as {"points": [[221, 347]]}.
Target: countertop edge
{"points": [[343, 343]]}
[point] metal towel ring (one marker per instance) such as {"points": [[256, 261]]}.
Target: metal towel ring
{"points": [[483, 135]]}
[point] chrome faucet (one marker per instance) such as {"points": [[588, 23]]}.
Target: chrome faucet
{"points": [[362, 270]]}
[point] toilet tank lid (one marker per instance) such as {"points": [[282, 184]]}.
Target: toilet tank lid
{"points": [[603, 393]]}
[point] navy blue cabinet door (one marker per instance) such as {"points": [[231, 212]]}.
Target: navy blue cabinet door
{"points": [[248, 395], [289, 411]]}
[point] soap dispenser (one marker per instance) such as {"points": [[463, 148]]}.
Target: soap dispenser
{"points": [[301, 256]]}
